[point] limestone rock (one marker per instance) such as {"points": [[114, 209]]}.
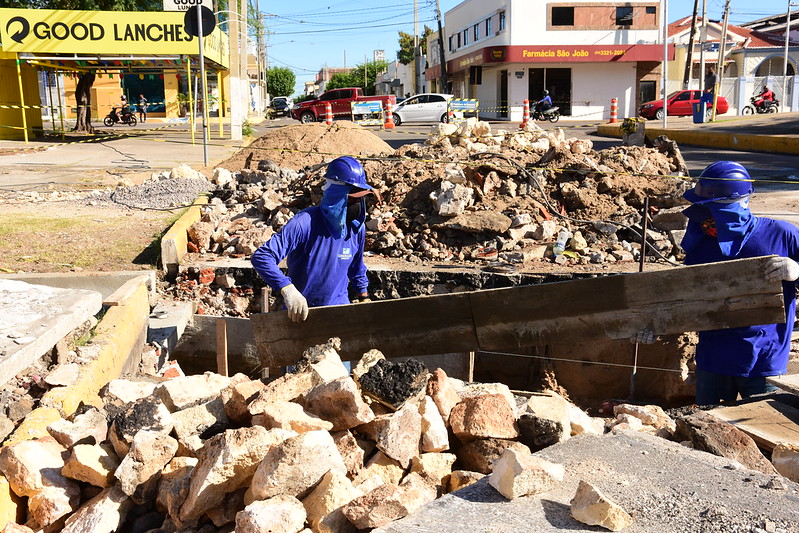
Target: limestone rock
{"points": [[393, 383], [435, 437], [785, 459], [285, 388], [452, 199], [296, 465], [339, 402], [189, 391], [398, 434], [382, 466], [463, 478], [387, 503], [148, 414], [48, 506], [471, 390], [290, 416], [324, 504], [323, 361], [227, 463], [478, 455], [581, 422], [284, 514], [435, 466], [351, 453], [124, 391], [225, 513], [140, 470], [32, 465], [237, 396], [206, 419], [174, 485], [487, 416], [102, 514], [416, 490], [13, 527], [518, 474], [443, 393], [651, 415], [366, 362], [591, 507], [92, 463], [545, 420], [200, 234], [90, 427]]}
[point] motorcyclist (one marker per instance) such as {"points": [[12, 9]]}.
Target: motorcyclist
{"points": [[124, 110], [544, 104], [766, 96]]}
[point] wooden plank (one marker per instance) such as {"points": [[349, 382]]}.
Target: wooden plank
{"points": [[119, 296], [221, 347], [768, 422], [788, 382], [718, 295], [423, 325]]}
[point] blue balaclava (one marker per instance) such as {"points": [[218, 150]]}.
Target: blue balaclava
{"points": [[339, 207]]}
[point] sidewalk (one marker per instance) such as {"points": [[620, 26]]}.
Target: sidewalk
{"points": [[776, 133]]}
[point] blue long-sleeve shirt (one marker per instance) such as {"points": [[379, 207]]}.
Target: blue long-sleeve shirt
{"points": [[753, 351], [319, 265]]}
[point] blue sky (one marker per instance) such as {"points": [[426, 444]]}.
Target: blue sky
{"points": [[311, 33]]}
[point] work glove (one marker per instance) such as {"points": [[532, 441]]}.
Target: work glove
{"points": [[782, 269], [296, 304], [361, 298], [645, 336]]}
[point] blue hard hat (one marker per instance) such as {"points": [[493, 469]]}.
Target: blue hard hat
{"points": [[720, 181], [348, 170]]}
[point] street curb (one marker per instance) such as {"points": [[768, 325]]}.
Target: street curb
{"points": [[174, 241], [118, 339], [744, 142]]}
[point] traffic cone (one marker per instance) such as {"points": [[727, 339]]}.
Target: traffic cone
{"points": [[450, 115], [614, 111], [328, 114], [526, 116], [389, 125]]}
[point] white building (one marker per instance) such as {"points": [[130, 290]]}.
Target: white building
{"points": [[584, 53]]}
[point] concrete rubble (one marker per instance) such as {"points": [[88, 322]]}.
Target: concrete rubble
{"points": [[274, 456]]}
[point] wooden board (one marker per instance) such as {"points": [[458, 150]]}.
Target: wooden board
{"points": [[768, 422], [788, 382], [717, 295]]}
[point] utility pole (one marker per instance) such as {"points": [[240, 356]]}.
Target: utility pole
{"points": [[689, 61], [245, 77], [234, 73], [720, 62], [702, 43], [442, 59], [665, 60], [415, 48], [785, 62]]}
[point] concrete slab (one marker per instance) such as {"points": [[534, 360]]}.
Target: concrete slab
{"points": [[106, 283], [667, 487], [33, 318], [167, 322]]}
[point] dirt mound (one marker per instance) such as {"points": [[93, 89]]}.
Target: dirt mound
{"points": [[301, 145]]}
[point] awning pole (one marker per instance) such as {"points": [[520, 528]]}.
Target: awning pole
{"points": [[60, 105], [50, 95], [191, 98], [221, 86], [22, 103]]}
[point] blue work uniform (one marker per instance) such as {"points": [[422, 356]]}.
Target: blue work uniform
{"points": [[754, 351], [319, 265]]}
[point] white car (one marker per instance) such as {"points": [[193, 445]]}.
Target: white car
{"points": [[426, 107]]}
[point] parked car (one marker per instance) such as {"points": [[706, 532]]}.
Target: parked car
{"points": [[426, 107], [340, 101], [281, 106], [681, 104]]}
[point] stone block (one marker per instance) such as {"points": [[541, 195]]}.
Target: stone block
{"points": [[124, 391], [281, 513], [463, 478], [351, 453], [366, 362], [480, 417], [90, 427], [397, 434], [106, 512], [291, 416], [376, 508], [284, 389], [440, 388], [48, 507], [435, 437], [189, 391], [478, 455], [435, 466], [204, 420], [323, 361], [339, 402], [384, 467], [174, 485], [591, 507], [32, 465], [237, 396], [519, 474], [148, 414], [140, 470], [785, 459], [92, 463], [650, 415], [324, 504]]}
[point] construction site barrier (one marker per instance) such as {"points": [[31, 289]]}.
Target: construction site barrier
{"points": [[614, 111], [389, 125], [464, 107], [526, 116], [367, 113]]}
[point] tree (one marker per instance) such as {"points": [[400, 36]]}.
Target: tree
{"points": [[405, 53], [343, 79], [280, 81], [362, 76]]}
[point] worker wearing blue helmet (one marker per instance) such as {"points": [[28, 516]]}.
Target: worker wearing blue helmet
{"points": [[721, 227], [322, 245]]}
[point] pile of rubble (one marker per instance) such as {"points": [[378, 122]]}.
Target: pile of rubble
{"points": [[320, 448]]}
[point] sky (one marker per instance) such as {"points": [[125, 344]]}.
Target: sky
{"points": [[310, 34]]}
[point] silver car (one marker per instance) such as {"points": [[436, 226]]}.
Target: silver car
{"points": [[426, 107]]}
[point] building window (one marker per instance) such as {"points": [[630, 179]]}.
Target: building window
{"points": [[563, 16], [459, 39], [502, 20], [476, 32], [624, 16], [651, 10], [450, 42], [465, 37], [488, 27]]}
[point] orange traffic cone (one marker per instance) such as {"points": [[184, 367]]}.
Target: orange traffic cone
{"points": [[328, 114], [614, 111], [389, 125], [526, 116]]}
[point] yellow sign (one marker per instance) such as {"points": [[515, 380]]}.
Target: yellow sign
{"points": [[100, 32]]}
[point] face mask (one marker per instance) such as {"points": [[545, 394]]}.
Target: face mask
{"points": [[353, 209]]}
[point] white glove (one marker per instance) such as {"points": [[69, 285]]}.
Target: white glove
{"points": [[645, 336], [782, 269], [296, 304]]}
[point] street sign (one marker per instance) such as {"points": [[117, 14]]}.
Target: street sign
{"points": [[206, 17], [183, 5]]}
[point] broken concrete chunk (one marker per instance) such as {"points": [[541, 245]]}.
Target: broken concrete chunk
{"points": [[90, 427], [281, 513], [204, 420], [365, 363], [435, 437], [92, 463], [296, 465], [284, 389], [291, 416], [398, 434], [487, 416], [435, 466], [237, 396], [140, 470], [440, 388], [463, 478], [63, 375], [591, 507], [376, 508], [478, 455], [106, 512], [324, 361], [392, 384], [518, 474], [339, 402], [785, 459], [32, 465], [351, 453], [49, 506], [174, 485], [452, 199], [124, 391], [651, 415], [149, 414], [324, 504], [186, 392], [383, 467]]}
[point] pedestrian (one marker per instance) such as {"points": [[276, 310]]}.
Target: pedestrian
{"points": [[710, 87], [142, 108], [721, 227], [322, 245]]}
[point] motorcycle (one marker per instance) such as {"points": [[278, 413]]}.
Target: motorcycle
{"points": [[552, 114], [113, 117], [767, 106]]}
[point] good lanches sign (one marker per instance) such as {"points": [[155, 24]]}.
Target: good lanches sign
{"points": [[184, 5]]}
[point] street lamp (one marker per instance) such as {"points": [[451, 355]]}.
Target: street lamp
{"points": [[785, 62]]}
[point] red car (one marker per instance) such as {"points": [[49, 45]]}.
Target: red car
{"points": [[681, 104]]}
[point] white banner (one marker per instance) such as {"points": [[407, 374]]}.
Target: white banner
{"points": [[183, 5]]}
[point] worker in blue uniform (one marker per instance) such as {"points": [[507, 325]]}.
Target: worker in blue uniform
{"points": [[322, 245], [721, 227]]}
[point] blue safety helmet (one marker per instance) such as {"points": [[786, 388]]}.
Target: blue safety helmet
{"points": [[721, 181], [349, 170]]}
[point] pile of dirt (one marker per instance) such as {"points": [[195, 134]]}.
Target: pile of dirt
{"points": [[301, 145]]}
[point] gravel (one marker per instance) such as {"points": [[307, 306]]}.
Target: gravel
{"points": [[160, 194]]}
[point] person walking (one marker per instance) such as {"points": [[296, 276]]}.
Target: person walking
{"points": [[710, 87], [142, 108]]}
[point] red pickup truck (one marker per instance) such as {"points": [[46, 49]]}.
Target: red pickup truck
{"points": [[339, 99]]}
